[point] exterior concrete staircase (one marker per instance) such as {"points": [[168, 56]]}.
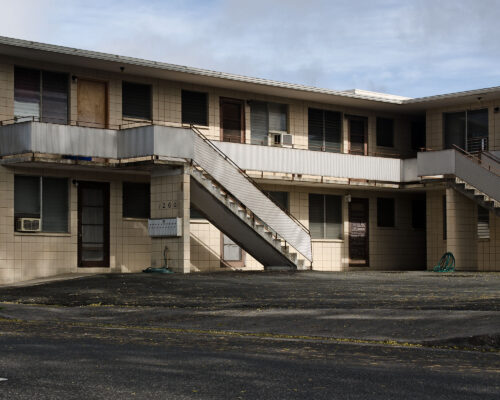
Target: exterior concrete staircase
{"points": [[234, 203], [474, 176]]}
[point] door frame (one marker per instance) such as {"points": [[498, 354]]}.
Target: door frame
{"points": [[225, 263], [232, 101], [106, 259], [106, 100], [366, 202], [365, 122]]}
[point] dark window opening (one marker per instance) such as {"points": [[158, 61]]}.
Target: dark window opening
{"points": [[467, 130], [325, 216], [386, 212], [418, 213], [281, 198], [445, 224], [41, 95], [136, 100], [194, 108], [324, 130], [44, 198], [136, 200], [418, 139], [385, 132]]}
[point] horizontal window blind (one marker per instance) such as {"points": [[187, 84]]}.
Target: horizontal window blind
{"points": [[324, 130], [259, 123], [26, 92], [316, 216], [194, 108], [325, 216], [27, 196], [483, 223], [54, 97], [136, 100], [54, 205], [277, 117]]}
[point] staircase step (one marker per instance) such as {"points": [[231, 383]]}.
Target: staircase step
{"points": [[285, 249], [293, 257]]}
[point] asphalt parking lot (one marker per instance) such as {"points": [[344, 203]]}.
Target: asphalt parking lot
{"points": [[253, 335]]}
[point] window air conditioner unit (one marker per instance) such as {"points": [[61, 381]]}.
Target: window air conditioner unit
{"points": [[28, 224], [281, 139]]}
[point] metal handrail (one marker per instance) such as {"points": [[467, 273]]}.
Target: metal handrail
{"points": [[248, 178], [475, 158]]}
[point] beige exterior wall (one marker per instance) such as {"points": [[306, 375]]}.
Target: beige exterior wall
{"points": [[166, 106], [435, 126], [398, 248], [25, 256]]}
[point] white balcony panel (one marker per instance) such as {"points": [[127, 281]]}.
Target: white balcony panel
{"points": [[306, 162], [37, 137]]}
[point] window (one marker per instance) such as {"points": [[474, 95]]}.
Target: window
{"points": [[195, 213], [385, 212], [324, 129], [280, 198], [41, 197], [467, 130], [136, 200], [418, 212], [385, 132], [418, 138], [265, 118], [325, 216], [483, 223], [136, 100], [194, 108], [41, 94], [445, 225]]}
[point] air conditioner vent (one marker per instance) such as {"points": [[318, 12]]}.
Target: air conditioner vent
{"points": [[28, 225]]}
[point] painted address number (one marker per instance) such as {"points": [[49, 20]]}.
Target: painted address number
{"points": [[167, 204]]}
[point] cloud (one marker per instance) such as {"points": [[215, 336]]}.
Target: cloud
{"points": [[412, 48]]}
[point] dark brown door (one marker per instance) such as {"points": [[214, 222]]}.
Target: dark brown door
{"points": [[232, 117], [358, 232], [232, 254], [93, 224], [92, 103], [357, 136]]}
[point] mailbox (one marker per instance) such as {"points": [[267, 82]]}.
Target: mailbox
{"points": [[165, 227]]}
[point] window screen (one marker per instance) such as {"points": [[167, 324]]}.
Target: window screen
{"points": [[136, 100], [385, 132], [194, 108], [483, 223], [27, 196], [136, 200], [42, 197], [54, 205], [54, 97], [324, 130], [41, 94], [259, 123], [325, 216], [277, 117], [385, 212]]}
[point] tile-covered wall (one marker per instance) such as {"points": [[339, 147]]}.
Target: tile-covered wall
{"points": [[166, 106], [25, 256], [435, 125]]}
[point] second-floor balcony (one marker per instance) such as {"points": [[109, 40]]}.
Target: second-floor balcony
{"points": [[179, 142]]}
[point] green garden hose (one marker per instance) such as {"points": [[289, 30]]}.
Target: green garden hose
{"points": [[446, 263]]}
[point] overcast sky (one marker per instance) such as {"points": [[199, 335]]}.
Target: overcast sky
{"points": [[410, 48]]}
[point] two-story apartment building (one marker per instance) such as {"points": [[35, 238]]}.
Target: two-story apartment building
{"points": [[114, 164]]}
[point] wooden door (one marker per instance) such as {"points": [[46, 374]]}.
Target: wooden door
{"points": [[358, 136], [93, 224], [358, 232], [92, 103], [232, 117], [232, 254]]}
